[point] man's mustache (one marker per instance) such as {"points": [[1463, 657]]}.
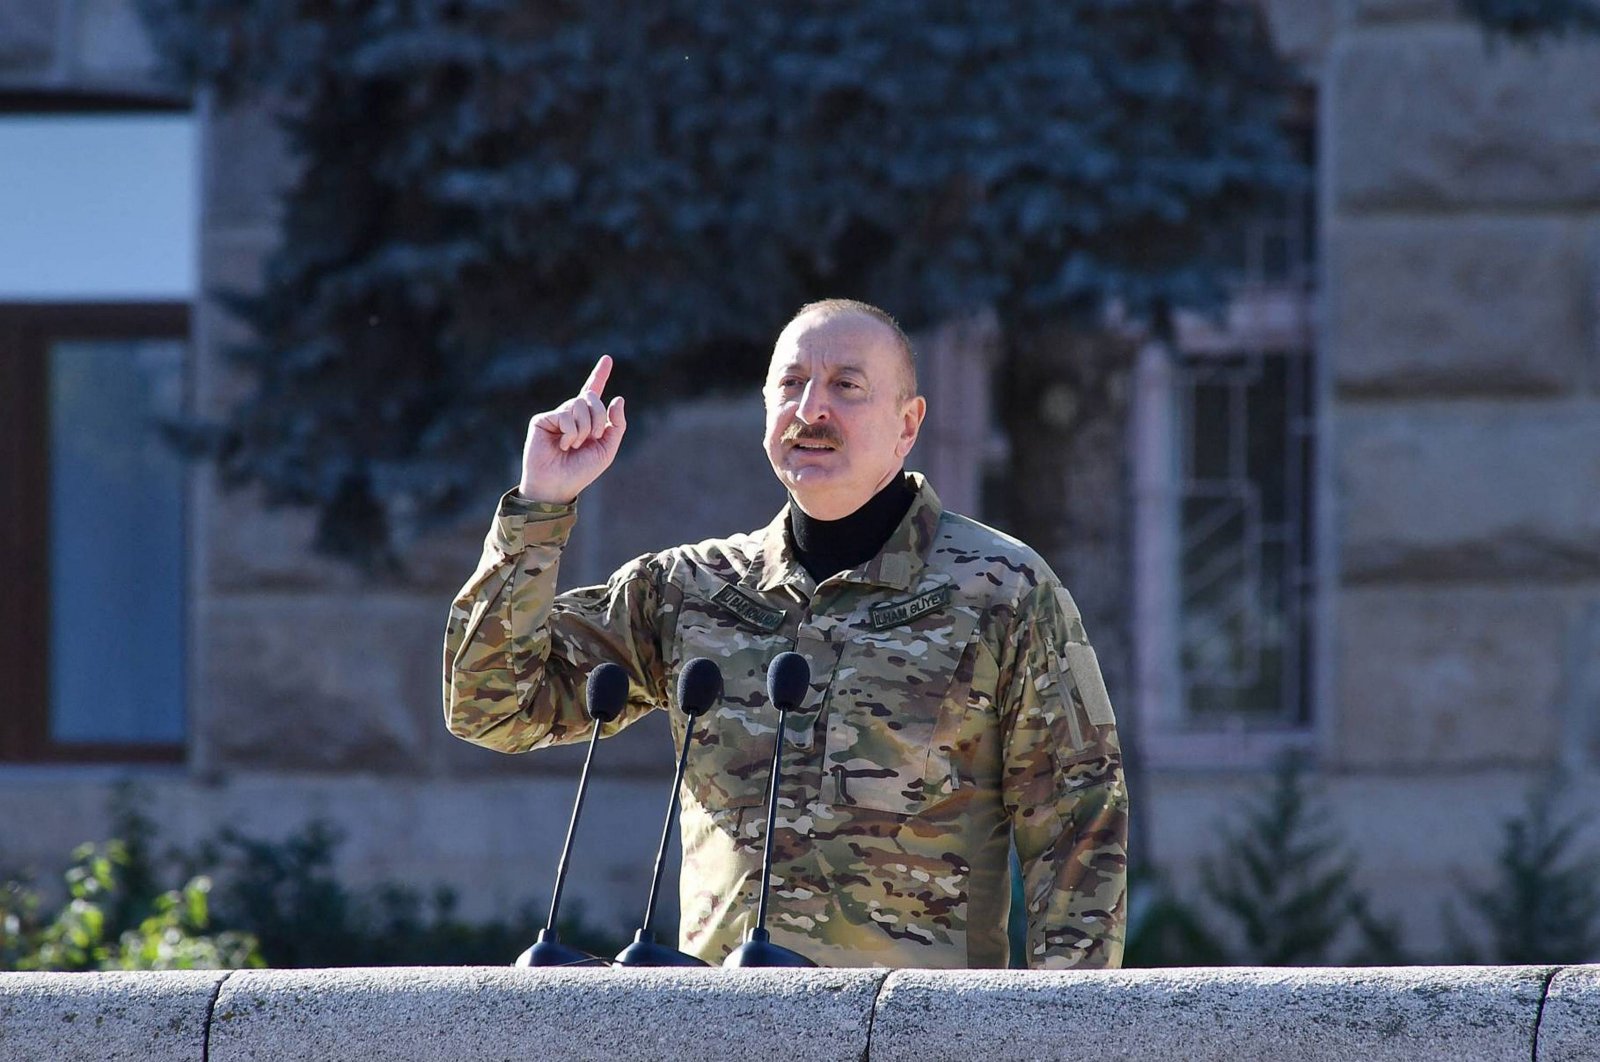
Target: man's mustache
{"points": [[824, 433]]}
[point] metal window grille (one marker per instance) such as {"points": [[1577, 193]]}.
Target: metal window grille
{"points": [[1245, 550]]}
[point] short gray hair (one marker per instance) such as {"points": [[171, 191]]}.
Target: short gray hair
{"points": [[838, 307]]}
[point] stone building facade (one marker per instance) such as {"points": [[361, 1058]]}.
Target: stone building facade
{"points": [[1451, 511]]}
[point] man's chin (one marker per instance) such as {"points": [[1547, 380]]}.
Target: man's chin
{"points": [[813, 479]]}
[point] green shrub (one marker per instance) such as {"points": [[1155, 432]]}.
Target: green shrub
{"points": [[1284, 882], [114, 920], [286, 892], [1542, 902], [277, 903]]}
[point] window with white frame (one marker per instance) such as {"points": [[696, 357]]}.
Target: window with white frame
{"points": [[1225, 458]]}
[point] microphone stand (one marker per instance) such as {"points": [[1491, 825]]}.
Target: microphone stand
{"points": [[645, 951], [758, 949], [548, 949], [606, 692]]}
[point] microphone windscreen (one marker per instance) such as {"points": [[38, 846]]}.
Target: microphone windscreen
{"points": [[607, 692], [699, 686], [788, 678]]}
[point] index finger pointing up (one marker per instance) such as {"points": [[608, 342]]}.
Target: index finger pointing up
{"points": [[598, 376]]}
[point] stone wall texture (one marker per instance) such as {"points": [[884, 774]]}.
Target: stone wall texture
{"points": [[1433, 117], [94, 1017], [1483, 306], [1468, 678], [1418, 1014], [1462, 240]]}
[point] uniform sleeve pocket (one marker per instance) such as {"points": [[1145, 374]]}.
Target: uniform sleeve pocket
{"points": [[1084, 670], [1092, 750]]}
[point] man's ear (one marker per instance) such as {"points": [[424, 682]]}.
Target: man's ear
{"points": [[911, 423]]}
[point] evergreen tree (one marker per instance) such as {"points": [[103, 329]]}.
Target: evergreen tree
{"points": [[494, 193], [1285, 882], [1542, 903]]}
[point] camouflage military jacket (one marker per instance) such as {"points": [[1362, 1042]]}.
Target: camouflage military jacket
{"points": [[955, 700]]}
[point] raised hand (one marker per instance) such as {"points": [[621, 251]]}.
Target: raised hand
{"points": [[570, 446]]}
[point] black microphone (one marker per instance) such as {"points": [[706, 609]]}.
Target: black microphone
{"points": [[788, 682], [606, 693], [699, 689]]}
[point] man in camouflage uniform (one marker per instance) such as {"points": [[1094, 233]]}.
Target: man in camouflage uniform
{"points": [[955, 700]]}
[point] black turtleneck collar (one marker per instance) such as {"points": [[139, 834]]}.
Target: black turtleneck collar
{"points": [[828, 547]]}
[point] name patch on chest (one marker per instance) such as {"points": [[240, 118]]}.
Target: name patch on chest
{"points": [[748, 608], [883, 617]]}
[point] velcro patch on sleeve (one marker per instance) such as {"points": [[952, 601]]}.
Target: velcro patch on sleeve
{"points": [[1085, 669], [748, 608]]}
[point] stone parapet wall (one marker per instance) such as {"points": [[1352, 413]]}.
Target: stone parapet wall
{"points": [[1415, 1014]]}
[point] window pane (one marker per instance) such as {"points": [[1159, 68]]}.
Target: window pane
{"points": [[1245, 558], [98, 207], [116, 543]]}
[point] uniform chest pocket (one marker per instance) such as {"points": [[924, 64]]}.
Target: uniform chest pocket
{"points": [[896, 702], [730, 757]]}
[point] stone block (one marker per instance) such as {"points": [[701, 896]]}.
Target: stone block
{"points": [[468, 1015], [1404, 1015], [112, 45], [1302, 29], [27, 34], [319, 682], [246, 166], [494, 842], [91, 1017], [252, 546], [1581, 698], [1470, 491], [1461, 306], [1447, 677], [1436, 117], [955, 366], [498, 844], [1569, 1027]]}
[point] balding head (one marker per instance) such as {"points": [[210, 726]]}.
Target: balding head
{"points": [[825, 309], [842, 407]]}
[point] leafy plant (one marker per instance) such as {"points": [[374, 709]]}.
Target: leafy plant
{"points": [[287, 893], [110, 923], [1542, 903], [176, 936], [279, 903]]}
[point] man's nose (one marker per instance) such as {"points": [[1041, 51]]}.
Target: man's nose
{"points": [[813, 403]]}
